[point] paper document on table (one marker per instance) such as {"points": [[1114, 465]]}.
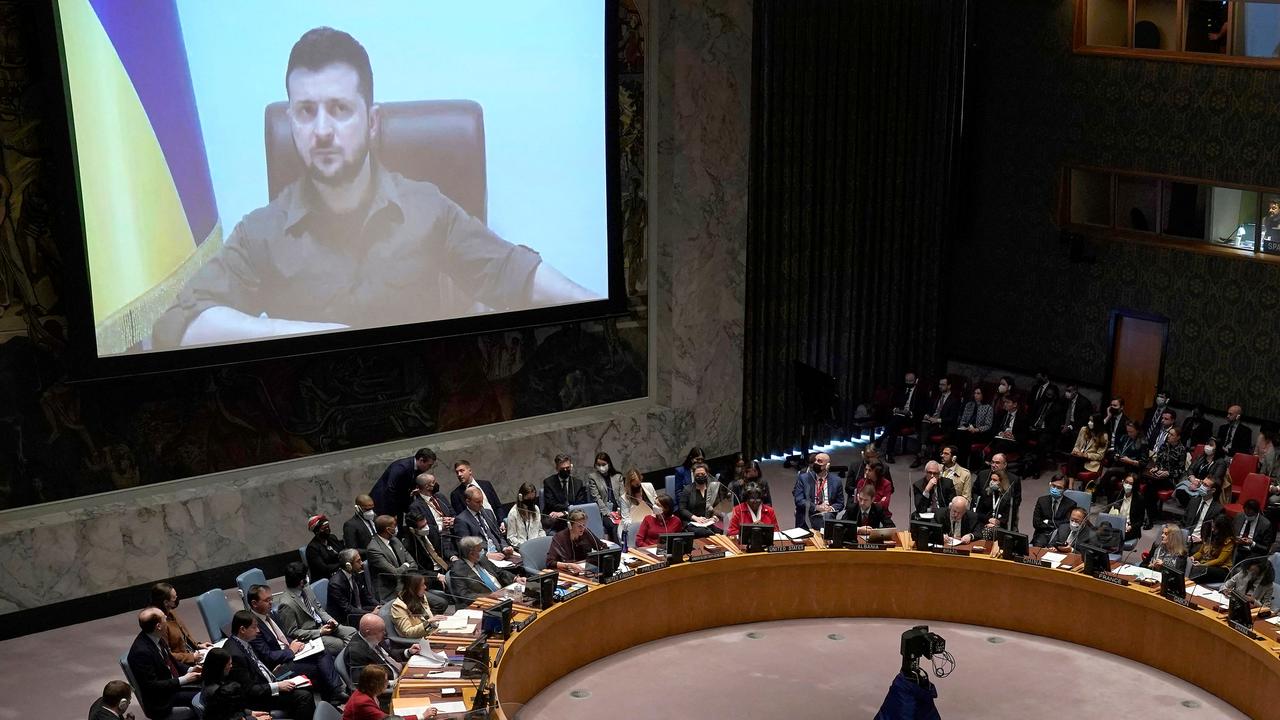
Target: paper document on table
{"points": [[953, 541], [1054, 559], [797, 533], [702, 523], [428, 659], [1209, 594], [503, 563], [652, 550], [469, 614], [1139, 573], [446, 708], [311, 648], [416, 708], [445, 675]]}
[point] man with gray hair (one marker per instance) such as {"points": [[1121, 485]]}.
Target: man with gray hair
{"points": [[962, 525], [349, 595], [932, 492], [473, 574]]}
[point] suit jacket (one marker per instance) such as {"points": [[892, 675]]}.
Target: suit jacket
{"points": [[230, 700], [349, 598], [1087, 535], [355, 533], [322, 556], [442, 541], [1263, 533], [268, 648], [387, 565], [360, 653], [98, 712], [1115, 427], [295, 618], [1036, 395], [944, 491], [1193, 512], [1020, 424], [362, 707], [156, 683], [558, 495], [693, 503], [465, 525], [1242, 441], [466, 583], [979, 416], [1076, 414], [1044, 520], [986, 507], [243, 668], [458, 498], [805, 494], [1046, 417], [391, 492], [969, 524], [919, 400], [873, 518], [950, 413]]}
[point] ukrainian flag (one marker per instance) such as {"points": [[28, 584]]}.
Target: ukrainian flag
{"points": [[150, 217]]}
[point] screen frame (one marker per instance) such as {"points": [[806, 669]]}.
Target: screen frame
{"points": [[83, 361]]}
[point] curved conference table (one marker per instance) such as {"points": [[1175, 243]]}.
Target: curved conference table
{"points": [[1130, 621]]}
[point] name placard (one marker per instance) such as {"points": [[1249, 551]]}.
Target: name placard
{"points": [[708, 555], [1181, 601], [1245, 630], [620, 575], [574, 593], [868, 546], [943, 550], [794, 547], [1027, 560], [525, 623], [650, 568], [1112, 578]]}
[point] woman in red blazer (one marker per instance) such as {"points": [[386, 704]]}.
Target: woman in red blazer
{"points": [[663, 520], [752, 511], [363, 704]]}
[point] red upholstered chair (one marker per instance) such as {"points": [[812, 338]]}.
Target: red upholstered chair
{"points": [[1196, 452], [1255, 486], [436, 141], [1240, 467]]}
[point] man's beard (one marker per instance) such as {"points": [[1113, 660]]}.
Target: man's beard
{"points": [[346, 173]]}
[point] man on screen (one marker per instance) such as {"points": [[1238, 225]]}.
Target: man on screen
{"points": [[350, 244]]}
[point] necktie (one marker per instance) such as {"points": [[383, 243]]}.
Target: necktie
{"points": [[489, 536], [1008, 423], [168, 659], [938, 410], [1071, 538], [275, 630], [822, 490], [486, 578], [435, 505], [955, 528], [1054, 514], [312, 606], [386, 658], [1231, 433], [262, 669]]}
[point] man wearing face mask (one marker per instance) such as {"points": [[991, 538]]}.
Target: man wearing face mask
{"points": [[114, 703], [1039, 389], [908, 404], [817, 494], [1131, 507], [415, 535], [1128, 454], [1076, 410], [941, 420], [561, 490], [1253, 532], [359, 529], [430, 504], [1114, 420], [1234, 436], [323, 550], [1151, 419], [476, 520], [1200, 511], [1051, 511]]}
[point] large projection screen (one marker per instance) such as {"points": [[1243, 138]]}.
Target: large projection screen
{"points": [[265, 178]]}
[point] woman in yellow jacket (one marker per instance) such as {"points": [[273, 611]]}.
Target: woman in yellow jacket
{"points": [[1215, 552]]}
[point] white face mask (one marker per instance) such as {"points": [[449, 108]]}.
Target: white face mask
{"points": [[1075, 525], [1004, 388], [1208, 451], [368, 515], [602, 469], [1128, 488]]}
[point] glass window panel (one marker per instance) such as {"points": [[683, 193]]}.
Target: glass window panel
{"points": [[1090, 197], [1233, 218], [1155, 24], [1136, 202], [1270, 222], [1207, 29], [1107, 23], [1255, 30], [1183, 206]]}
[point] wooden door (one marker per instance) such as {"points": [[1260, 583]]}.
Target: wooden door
{"points": [[1137, 359]]}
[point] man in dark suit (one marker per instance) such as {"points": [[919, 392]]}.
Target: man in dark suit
{"points": [[961, 523], [932, 493], [274, 648], [114, 703], [358, 529], [865, 512], [561, 490], [391, 492], [909, 403], [1151, 418], [388, 560], [1046, 418], [1113, 421], [323, 551], [818, 493], [249, 670], [431, 504], [474, 574], [1040, 390], [165, 685], [1001, 464], [1076, 410], [1051, 511], [1010, 428], [349, 595], [942, 419], [1253, 532], [1076, 531], [1201, 511], [467, 479], [371, 647], [476, 520], [1234, 436]]}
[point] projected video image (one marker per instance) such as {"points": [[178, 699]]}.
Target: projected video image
{"points": [[253, 170]]}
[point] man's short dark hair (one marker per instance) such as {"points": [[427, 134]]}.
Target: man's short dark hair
{"points": [[461, 463], [1252, 505], [114, 692], [563, 457], [295, 573], [1173, 415], [160, 594], [256, 591], [321, 47], [425, 454], [241, 620]]}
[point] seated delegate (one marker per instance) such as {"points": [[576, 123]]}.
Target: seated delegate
{"points": [[410, 612], [752, 511], [662, 521]]}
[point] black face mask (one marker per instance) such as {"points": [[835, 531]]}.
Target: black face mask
{"points": [[564, 474], [530, 504]]}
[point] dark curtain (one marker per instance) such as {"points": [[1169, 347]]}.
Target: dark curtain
{"points": [[857, 110]]}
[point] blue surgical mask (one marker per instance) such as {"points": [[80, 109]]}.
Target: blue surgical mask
{"points": [[1055, 491]]}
